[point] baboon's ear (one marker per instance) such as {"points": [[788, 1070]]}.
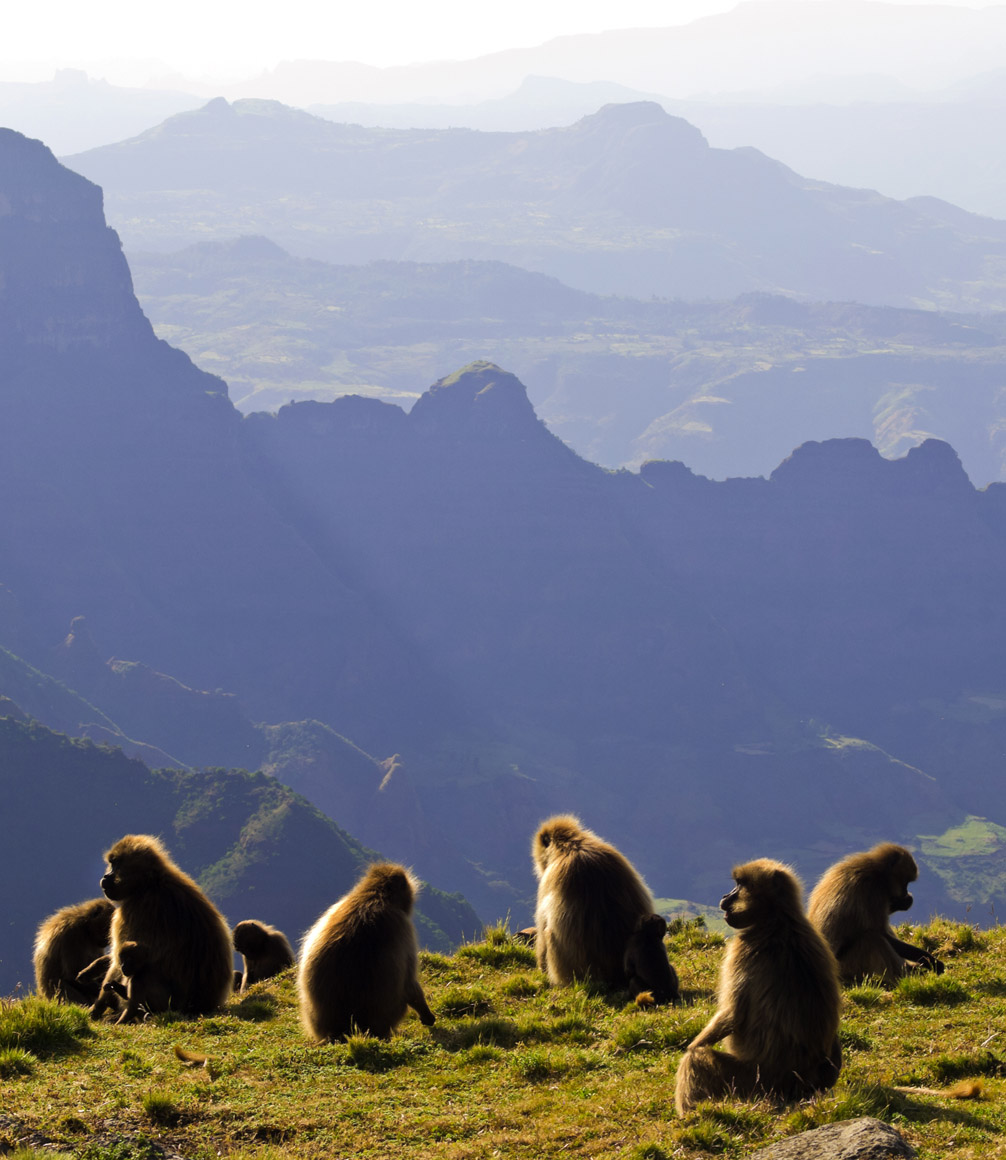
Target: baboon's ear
{"points": [[546, 839]]}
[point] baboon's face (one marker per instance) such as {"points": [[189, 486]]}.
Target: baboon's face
{"points": [[903, 871], [250, 938], [127, 874], [902, 901], [738, 906]]}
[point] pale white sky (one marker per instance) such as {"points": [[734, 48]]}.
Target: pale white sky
{"points": [[131, 41]]}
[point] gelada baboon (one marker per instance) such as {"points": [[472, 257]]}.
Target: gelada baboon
{"points": [[144, 988], [359, 963], [65, 944], [589, 899], [265, 950], [646, 964], [186, 940], [851, 906], [778, 1000]]}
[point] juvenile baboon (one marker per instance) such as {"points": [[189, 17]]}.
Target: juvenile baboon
{"points": [[589, 900], [186, 940], [266, 951], [647, 967], [778, 1000], [113, 994], [359, 963], [144, 989], [65, 944], [851, 906]]}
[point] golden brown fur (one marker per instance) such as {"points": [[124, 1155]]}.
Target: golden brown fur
{"points": [[266, 951], [778, 1000], [359, 964], [65, 944], [186, 939], [851, 906], [647, 967], [589, 899]]}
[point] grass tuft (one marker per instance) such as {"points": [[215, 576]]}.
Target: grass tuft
{"points": [[868, 996], [499, 955], [42, 1027], [686, 934], [377, 1055], [948, 939], [457, 1001], [15, 1062], [257, 1007], [932, 991], [160, 1108], [523, 986], [492, 1031]]}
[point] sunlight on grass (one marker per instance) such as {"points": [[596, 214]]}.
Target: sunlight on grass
{"points": [[513, 1066]]}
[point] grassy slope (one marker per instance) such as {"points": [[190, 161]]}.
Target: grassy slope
{"points": [[513, 1067]]}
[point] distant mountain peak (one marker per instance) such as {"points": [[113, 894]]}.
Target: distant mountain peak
{"points": [[855, 464], [630, 116], [480, 398]]}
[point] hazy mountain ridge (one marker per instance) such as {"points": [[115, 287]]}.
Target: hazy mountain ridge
{"points": [[620, 380], [786, 41], [629, 200]]}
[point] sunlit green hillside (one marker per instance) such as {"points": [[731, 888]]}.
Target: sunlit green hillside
{"points": [[512, 1068]]}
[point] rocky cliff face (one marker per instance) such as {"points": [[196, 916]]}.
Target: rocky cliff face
{"points": [[64, 283], [129, 500]]}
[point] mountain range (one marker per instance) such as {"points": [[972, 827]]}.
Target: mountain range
{"points": [[757, 44], [901, 142], [453, 623], [618, 379], [629, 200]]}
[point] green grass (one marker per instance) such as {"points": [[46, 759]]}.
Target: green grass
{"points": [[513, 1067]]}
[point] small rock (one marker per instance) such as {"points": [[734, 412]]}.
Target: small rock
{"points": [[863, 1139]]}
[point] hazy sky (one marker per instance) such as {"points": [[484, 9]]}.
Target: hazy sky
{"points": [[235, 38]]}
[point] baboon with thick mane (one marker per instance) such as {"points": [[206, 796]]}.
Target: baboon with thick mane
{"points": [[647, 967], [265, 950], [65, 944], [778, 1000], [851, 906], [589, 900], [359, 963], [186, 940]]}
